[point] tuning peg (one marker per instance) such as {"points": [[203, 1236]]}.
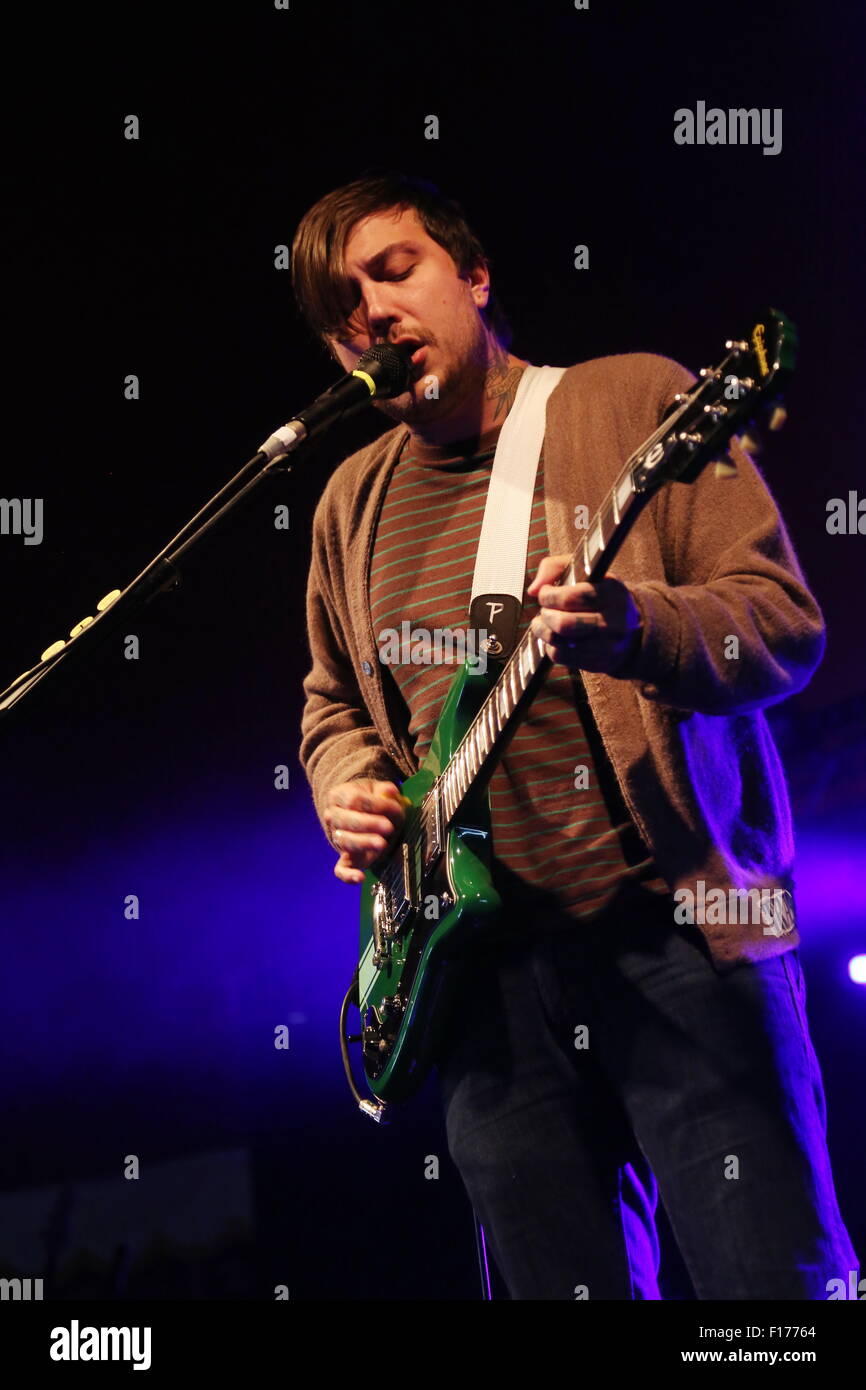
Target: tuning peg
{"points": [[689, 441], [725, 469], [107, 601], [778, 417], [52, 650], [79, 627], [750, 442]]}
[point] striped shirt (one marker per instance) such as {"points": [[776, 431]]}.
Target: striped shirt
{"points": [[559, 824]]}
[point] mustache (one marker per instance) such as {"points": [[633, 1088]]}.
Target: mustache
{"points": [[419, 339]]}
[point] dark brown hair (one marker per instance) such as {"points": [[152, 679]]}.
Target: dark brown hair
{"points": [[319, 279]]}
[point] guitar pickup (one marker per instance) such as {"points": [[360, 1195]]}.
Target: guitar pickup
{"points": [[432, 833], [405, 906]]}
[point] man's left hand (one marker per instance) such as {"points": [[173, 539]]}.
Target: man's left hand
{"points": [[590, 627]]}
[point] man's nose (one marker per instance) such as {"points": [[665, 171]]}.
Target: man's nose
{"points": [[378, 313]]}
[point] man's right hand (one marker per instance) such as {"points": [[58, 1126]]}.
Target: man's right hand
{"points": [[364, 818]]}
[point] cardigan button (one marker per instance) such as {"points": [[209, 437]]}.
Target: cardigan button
{"points": [[366, 668]]}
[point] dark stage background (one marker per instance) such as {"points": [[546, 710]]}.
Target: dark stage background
{"points": [[155, 1037]]}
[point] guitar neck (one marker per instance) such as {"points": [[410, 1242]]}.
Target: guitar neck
{"points": [[743, 388], [474, 760]]}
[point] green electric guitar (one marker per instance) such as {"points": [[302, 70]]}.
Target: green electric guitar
{"points": [[426, 901]]}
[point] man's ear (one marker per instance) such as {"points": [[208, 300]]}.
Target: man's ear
{"points": [[478, 278]]}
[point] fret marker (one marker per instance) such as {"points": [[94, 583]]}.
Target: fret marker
{"points": [[623, 491]]}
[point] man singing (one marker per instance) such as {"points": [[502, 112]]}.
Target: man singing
{"points": [[613, 1048]]}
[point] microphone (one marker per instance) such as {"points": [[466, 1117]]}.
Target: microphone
{"points": [[384, 371]]}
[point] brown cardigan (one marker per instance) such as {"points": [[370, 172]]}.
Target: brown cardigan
{"points": [[684, 730]]}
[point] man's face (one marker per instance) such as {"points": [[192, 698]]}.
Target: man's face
{"points": [[409, 287]]}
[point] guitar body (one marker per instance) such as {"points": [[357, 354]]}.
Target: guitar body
{"points": [[415, 935]]}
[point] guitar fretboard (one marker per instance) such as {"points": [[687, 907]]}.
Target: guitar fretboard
{"points": [[528, 664], [486, 734]]}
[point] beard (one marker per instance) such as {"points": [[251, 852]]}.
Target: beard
{"points": [[462, 381]]}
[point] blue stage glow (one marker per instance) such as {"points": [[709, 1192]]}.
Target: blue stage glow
{"points": [[240, 928], [830, 889]]}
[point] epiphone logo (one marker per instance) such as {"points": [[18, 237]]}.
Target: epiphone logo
{"points": [[760, 348]]}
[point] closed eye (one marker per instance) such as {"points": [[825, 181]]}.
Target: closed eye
{"points": [[344, 338]]}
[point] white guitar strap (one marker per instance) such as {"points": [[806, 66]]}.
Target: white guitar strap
{"points": [[500, 568]]}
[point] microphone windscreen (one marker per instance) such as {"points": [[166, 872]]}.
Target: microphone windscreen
{"points": [[390, 366]]}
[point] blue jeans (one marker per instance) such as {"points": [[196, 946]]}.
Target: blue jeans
{"points": [[595, 1066]]}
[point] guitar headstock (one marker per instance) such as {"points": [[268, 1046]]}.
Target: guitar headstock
{"points": [[742, 395]]}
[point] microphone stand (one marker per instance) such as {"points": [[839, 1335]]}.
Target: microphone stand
{"points": [[388, 373], [383, 371], [160, 574]]}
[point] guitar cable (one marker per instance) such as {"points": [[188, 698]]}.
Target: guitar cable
{"points": [[376, 1109]]}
